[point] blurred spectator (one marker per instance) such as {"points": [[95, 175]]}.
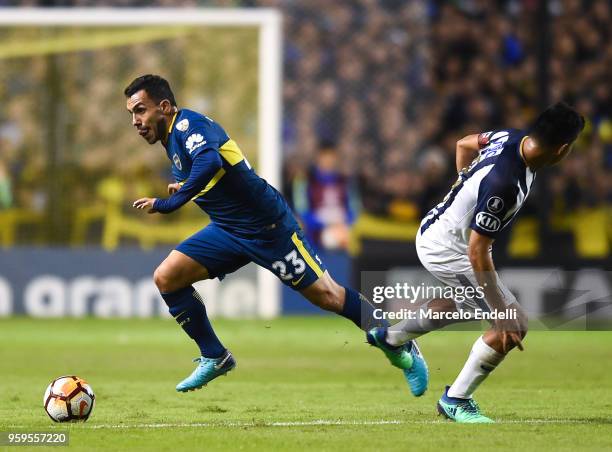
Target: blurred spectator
{"points": [[417, 76], [323, 201]]}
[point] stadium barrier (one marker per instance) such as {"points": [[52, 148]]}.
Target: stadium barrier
{"points": [[62, 282]]}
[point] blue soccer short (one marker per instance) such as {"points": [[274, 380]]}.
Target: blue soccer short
{"points": [[283, 251]]}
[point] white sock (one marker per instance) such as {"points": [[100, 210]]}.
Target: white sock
{"points": [[409, 329], [481, 362]]}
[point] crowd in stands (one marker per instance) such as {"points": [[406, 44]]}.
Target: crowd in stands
{"points": [[393, 84], [414, 77]]}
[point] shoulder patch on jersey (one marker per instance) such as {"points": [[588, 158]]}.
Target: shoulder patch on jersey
{"points": [[177, 162], [495, 204], [194, 141], [182, 125], [487, 222]]}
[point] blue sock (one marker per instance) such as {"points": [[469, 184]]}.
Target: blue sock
{"points": [[188, 310], [358, 309]]}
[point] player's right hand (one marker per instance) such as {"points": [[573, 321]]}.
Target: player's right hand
{"points": [[509, 330], [145, 203], [173, 188]]}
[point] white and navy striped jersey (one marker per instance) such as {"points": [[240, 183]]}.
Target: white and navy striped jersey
{"points": [[486, 196]]}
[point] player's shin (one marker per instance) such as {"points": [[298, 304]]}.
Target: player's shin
{"points": [[421, 323], [481, 362], [189, 311], [408, 329], [360, 311]]}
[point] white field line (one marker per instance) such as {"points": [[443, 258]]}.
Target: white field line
{"points": [[324, 422], [317, 422]]}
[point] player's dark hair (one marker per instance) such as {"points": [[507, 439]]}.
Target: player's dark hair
{"points": [[557, 125], [156, 87]]}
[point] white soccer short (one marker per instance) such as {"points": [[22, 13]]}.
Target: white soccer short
{"points": [[455, 270]]}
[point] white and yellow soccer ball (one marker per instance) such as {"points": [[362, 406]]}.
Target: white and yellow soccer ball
{"points": [[69, 398]]}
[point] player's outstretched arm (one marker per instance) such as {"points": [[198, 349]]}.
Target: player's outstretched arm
{"points": [[484, 269], [204, 167]]}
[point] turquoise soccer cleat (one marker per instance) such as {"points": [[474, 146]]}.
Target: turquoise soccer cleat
{"points": [[463, 411], [418, 375], [406, 357], [208, 369]]}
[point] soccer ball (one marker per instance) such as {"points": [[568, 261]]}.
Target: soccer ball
{"points": [[69, 398]]}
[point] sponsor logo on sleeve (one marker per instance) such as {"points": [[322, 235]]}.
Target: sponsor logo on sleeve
{"points": [[182, 125], [177, 162], [487, 222], [483, 139], [495, 204], [494, 144], [194, 141]]}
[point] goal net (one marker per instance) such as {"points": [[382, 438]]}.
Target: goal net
{"points": [[71, 162]]}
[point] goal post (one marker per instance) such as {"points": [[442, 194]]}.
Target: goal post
{"points": [[269, 25]]}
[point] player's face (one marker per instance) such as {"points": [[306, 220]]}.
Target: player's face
{"points": [[147, 116]]}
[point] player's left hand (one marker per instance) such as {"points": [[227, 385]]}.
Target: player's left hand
{"points": [[509, 334], [145, 203], [173, 188]]}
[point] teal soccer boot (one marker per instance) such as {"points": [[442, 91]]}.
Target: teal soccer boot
{"points": [[463, 411], [406, 357], [208, 369]]}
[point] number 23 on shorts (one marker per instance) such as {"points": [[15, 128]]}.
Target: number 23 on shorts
{"points": [[294, 266]]}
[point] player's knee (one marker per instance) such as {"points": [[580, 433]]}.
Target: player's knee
{"points": [[162, 276]]}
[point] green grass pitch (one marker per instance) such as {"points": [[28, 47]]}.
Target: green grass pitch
{"points": [[300, 383]]}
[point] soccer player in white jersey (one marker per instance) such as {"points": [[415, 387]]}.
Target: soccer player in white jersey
{"points": [[455, 239]]}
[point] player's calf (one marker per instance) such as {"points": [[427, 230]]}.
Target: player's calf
{"points": [[350, 304], [486, 355], [173, 278], [189, 311], [325, 293]]}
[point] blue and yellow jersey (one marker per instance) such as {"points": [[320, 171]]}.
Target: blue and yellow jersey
{"points": [[236, 198]]}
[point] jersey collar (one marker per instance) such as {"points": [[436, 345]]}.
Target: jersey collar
{"points": [[521, 154], [172, 122]]}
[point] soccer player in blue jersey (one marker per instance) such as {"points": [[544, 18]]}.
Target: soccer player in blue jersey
{"points": [[250, 222], [455, 239]]}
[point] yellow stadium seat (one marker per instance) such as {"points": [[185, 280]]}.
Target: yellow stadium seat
{"points": [[524, 242], [591, 228], [373, 227], [12, 219]]}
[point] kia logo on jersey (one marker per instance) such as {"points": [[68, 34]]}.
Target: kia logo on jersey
{"points": [[487, 222]]}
